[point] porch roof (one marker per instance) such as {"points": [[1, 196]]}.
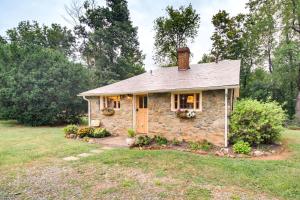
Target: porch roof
{"points": [[224, 74]]}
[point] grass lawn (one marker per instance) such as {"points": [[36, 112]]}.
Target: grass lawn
{"points": [[31, 167]]}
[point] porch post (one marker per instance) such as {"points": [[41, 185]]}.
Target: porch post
{"points": [[89, 109], [226, 119]]}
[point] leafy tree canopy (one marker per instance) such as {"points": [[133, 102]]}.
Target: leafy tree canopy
{"points": [[174, 31]]}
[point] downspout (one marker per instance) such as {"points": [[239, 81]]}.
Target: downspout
{"points": [[89, 109], [226, 119]]}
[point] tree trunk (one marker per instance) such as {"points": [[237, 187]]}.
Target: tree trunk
{"points": [[297, 114]]}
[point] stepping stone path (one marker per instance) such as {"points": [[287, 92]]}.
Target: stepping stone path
{"points": [[70, 158], [84, 155], [96, 151]]}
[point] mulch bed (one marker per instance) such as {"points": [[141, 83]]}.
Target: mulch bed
{"points": [[263, 151]]}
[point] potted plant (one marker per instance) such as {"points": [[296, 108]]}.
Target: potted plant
{"points": [[131, 137]]}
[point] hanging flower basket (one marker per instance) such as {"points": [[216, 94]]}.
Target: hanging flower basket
{"points": [[185, 114], [108, 111]]}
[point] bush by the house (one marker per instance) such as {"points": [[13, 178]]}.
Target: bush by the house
{"points": [[85, 131], [70, 129], [100, 133], [241, 147], [130, 133], [160, 140], [175, 142], [203, 145], [256, 122], [143, 140]]}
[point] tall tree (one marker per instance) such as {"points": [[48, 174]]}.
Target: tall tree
{"points": [[38, 82], [227, 43], [111, 46], [174, 31], [29, 34]]}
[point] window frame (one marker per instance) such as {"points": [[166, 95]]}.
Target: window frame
{"points": [[104, 102], [178, 100]]}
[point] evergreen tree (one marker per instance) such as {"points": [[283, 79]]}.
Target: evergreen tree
{"points": [[110, 46]]}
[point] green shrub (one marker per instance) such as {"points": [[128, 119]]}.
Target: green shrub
{"points": [[143, 140], [130, 133], [242, 147], [100, 133], [176, 142], [203, 145], [256, 122], [84, 121], [71, 129], [85, 131], [160, 140]]}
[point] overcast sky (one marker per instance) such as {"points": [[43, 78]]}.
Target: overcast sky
{"points": [[143, 13]]}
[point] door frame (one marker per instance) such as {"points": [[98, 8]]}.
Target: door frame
{"points": [[135, 106]]}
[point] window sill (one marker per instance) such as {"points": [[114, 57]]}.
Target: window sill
{"points": [[196, 110]]}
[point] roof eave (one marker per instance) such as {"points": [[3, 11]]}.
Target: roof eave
{"points": [[161, 91]]}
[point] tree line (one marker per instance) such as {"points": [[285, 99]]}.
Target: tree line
{"points": [[43, 68]]}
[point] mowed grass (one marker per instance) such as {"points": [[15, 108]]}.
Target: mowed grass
{"points": [[20, 144], [31, 167]]}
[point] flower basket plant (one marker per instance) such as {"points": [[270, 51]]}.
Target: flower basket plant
{"points": [[108, 111], [185, 114]]}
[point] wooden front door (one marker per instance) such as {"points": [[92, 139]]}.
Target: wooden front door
{"points": [[141, 114]]}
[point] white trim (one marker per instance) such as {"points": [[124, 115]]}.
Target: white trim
{"points": [[186, 92], [226, 119], [134, 112], [89, 109]]}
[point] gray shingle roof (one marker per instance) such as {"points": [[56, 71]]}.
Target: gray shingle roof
{"points": [[200, 76]]}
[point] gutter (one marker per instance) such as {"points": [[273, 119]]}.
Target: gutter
{"points": [[89, 109], [226, 119]]}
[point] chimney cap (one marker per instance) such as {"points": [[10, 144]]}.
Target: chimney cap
{"points": [[183, 50]]}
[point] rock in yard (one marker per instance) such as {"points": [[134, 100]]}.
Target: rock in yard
{"points": [[225, 150], [258, 153], [72, 136], [219, 153]]}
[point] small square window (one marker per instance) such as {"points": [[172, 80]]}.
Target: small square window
{"points": [[186, 101], [111, 102]]}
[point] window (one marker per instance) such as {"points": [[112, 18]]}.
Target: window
{"points": [[111, 102], [188, 101], [143, 102]]}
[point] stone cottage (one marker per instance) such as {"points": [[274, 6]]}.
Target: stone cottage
{"points": [[190, 102]]}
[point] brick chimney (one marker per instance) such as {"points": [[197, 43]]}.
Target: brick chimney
{"points": [[183, 58]]}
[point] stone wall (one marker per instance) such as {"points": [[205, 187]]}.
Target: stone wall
{"points": [[208, 124], [118, 123]]}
